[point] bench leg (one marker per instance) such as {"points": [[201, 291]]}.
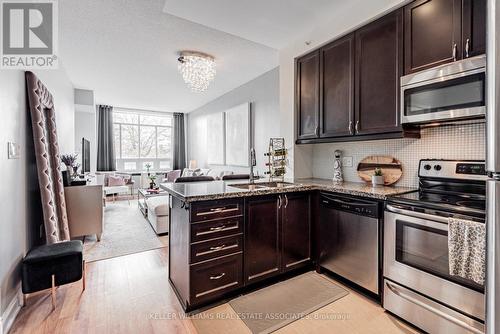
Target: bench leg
{"points": [[98, 236], [53, 292], [84, 271]]}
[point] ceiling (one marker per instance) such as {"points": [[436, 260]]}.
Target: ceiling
{"points": [[126, 51], [274, 23]]}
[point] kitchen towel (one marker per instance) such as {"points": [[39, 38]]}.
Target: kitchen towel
{"points": [[467, 249]]}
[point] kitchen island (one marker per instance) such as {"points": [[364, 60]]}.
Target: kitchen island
{"points": [[226, 236]]}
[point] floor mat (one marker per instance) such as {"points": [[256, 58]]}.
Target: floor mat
{"points": [[271, 308], [126, 231]]}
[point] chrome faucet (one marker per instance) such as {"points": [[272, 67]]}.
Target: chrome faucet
{"points": [[253, 163]]}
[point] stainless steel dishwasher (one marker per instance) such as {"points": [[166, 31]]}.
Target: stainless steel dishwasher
{"points": [[349, 239]]}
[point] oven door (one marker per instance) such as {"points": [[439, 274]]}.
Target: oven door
{"points": [[455, 91], [416, 256]]}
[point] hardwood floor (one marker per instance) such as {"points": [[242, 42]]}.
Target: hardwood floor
{"points": [[131, 294]]}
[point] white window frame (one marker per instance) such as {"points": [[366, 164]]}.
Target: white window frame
{"points": [[139, 161]]}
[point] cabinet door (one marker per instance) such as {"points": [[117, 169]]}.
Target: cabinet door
{"points": [[474, 28], [378, 69], [307, 96], [432, 28], [296, 230], [262, 249], [337, 88]]}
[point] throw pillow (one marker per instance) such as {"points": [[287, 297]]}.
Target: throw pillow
{"points": [[115, 181]]}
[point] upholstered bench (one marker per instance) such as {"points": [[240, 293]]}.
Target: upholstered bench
{"points": [[49, 266]]}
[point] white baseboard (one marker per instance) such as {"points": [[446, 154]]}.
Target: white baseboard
{"points": [[11, 312]]}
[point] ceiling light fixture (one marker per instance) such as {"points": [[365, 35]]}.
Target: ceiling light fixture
{"points": [[197, 69]]}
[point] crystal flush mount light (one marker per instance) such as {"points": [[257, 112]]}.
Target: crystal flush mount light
{"points": [[197, 69]]}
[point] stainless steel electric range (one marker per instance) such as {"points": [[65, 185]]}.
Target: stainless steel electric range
{"points": [[417, 283]]}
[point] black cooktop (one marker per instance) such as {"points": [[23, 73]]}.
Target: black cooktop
{"points": [[464, 203]]}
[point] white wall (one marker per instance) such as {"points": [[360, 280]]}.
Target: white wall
{"points": [[350, 15], [19, 193], [86, 125], [262, 92]]}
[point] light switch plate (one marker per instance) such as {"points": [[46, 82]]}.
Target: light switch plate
{"points": [[13, 150], [347, 161]]}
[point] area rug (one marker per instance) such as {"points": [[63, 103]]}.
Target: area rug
{"points": [[271, 308], [126, 231]]}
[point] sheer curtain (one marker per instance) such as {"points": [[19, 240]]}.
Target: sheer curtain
{"points": [[179, 142], [105, 146]]}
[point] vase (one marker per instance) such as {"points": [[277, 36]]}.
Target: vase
{"points": [[377, 180], [152, 185]]}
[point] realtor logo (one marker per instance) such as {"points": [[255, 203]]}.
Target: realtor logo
{"points": [[29, 34]]}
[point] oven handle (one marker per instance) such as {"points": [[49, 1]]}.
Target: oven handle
{"points": [[417, 214], [432, 309]]}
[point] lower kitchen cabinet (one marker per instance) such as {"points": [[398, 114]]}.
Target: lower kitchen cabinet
{"points": [[277, 235], [296, 230], [262, 249]]}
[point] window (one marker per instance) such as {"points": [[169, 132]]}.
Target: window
{"points": [[142, 138]]}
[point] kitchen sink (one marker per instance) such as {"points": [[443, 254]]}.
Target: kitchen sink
{"points": [[262, 185], [249, 186]]}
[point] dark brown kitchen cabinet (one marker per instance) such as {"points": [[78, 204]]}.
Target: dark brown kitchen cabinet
{"points": [[474, 27], [277, 235], [379, 54], [296, 230], [443, 31], [432, 33], [307, 93], [262, 249], [337, 88]]}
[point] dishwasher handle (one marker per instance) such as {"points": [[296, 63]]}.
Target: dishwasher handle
{"points": [[355, 206]]}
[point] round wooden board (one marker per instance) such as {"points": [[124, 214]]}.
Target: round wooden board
{"points": [[390, 166]]}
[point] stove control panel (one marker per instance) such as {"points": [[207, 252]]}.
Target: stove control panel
{"points": [[452, 169]]}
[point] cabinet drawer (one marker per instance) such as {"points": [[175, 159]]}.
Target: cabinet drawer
{"points": [[216, 229], [207, 250], [216, 209], [214, 278]]}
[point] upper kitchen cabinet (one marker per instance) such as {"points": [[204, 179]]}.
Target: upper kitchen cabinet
{"points": [[379, 54], [443, 31], [337, 88], [474, 27], [307, 96]]}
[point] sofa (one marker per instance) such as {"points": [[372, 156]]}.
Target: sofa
{"points": [[158, 213]]}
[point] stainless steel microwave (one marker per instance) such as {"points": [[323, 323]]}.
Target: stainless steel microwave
{"points": [[445, 93]]}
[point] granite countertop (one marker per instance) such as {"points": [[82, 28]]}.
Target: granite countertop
{"points": [[212, 190]]}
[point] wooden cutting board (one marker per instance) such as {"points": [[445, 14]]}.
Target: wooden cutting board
{"points": [[390, 166]]}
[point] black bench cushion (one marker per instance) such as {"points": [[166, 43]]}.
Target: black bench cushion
{"points": [[64, 260], [53, 251]]}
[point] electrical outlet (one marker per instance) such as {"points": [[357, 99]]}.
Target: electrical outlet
{"points": [[347, 161]]}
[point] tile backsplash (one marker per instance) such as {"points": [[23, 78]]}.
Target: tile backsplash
{"points": [[465, 142]]}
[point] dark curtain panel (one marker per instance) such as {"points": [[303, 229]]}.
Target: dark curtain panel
{"points": [[105, 145], [179, 142]]}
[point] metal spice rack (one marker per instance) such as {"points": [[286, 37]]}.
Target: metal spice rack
{"points": [[277, 158]]}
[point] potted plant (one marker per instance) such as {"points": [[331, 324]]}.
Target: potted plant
{"points": [[69, 160], [152, 184], [378, 177], [148, 167]]}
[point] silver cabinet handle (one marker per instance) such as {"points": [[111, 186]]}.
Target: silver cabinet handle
{"points": [[216, 277], [356, 127], [432, 309], [279, 201], [467, 47], [350, 127], [218, 228], [316, 131], [286, 201], [454, 51], [218, 248]]}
